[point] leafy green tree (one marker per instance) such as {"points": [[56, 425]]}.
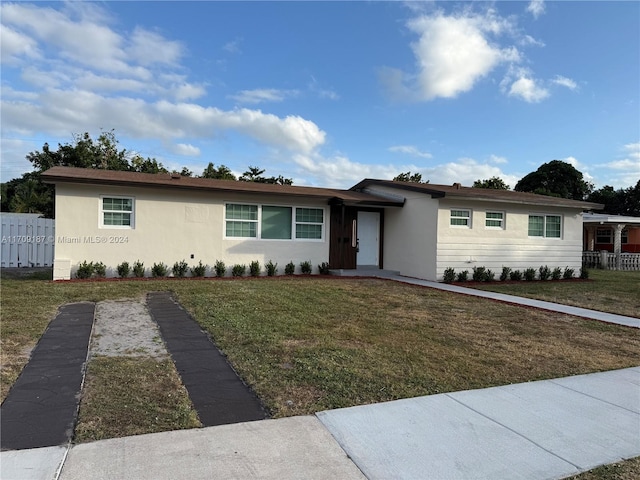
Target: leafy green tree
{"points": [[495, 183], [254, 174], [624, 201], [221, 173], [409, 177], [556, 179], [32, 196], [148, 165]]}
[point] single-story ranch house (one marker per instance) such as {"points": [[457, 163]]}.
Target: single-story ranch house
{"points": [[418, 230]]}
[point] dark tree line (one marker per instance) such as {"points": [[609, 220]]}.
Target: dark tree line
{"points": [[29, 194]]}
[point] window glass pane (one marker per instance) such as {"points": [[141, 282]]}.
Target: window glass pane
{"points": [[603, 235], [625, 236], [118, 204], [114, 218], [276, 222], [494, 219], [460, 217], [309, 215], [241, 212], [241, 229], [536, 226], [310, 231], [553, 226]]}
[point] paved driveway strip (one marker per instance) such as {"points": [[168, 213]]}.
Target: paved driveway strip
{"points": [[542, 430], [217, 393], [42, 405]]}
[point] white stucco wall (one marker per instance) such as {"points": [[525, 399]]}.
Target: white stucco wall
{"points": [[463, 248], [170, 226], [410, 234]]}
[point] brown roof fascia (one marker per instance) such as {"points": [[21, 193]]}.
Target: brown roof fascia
{"points": [[85, 176], [484, 194]]}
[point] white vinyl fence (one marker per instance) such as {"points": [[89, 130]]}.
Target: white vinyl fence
{"points": [[27, 241]]}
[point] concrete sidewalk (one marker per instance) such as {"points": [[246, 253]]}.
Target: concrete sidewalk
{"points": [[539, 430]]}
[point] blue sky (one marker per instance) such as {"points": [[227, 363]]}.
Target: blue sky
{"points": [[329, 93]]}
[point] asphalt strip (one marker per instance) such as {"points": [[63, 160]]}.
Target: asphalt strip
{"points": [[217, 392], [41, 407]]}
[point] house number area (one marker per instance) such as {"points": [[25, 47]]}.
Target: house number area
{"points": [[94, 239]]}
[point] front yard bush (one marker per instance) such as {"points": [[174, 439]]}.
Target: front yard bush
{"points": [[123, 269], [100, 269], [449, 275], [85, 270], [290, 268], [138, 269], [488, 276], [199, 270], [568, 273], [544, 272], [272, 268], [478, 274], [238, 270], [254, 268], [584, 273], [556, 274], [324, 268], [462, 276], [516, 275], [305, 267], [505, 273], [179, 269], [530, 274], [159, 270], [220, 268]]}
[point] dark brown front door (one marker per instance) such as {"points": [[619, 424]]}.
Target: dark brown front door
{"points": [[342, 250]]}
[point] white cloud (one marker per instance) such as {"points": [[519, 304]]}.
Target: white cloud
{"points": [[536, 8], [452, 54], [147, 48], [263, 95], [409, 150], [185, 149], [565, 82], [465, 171], [526, 87], [527, 40], [233, 46], [624, 171], [497, 159], [14, 45]]}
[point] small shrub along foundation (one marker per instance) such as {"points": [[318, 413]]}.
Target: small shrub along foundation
{"points": [[181, 269], [483, 274]]}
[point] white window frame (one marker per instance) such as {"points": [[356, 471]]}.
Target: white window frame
{"points": [[467, 218], [544, 225], [322, 225], [258, 222], [502, 220], [132, 213]]}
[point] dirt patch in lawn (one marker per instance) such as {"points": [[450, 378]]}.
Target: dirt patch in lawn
{"points": [[125, 328]]}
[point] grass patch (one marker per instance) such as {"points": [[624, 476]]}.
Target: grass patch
{"points": [[608, 291], [309, 344], [130, 396], [626, 470]]}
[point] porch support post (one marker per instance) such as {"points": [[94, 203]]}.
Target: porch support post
{"points": [[617, 243], [591, 239]]}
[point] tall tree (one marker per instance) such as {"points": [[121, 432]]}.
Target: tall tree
{"points": [[624, 201], [556, 179], [148, 165], [254, 174], [495, 183], [409, 177], [221, 173]]}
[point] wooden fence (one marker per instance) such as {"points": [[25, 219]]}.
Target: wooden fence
{"points": [[27, 241], [611, 261]]}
